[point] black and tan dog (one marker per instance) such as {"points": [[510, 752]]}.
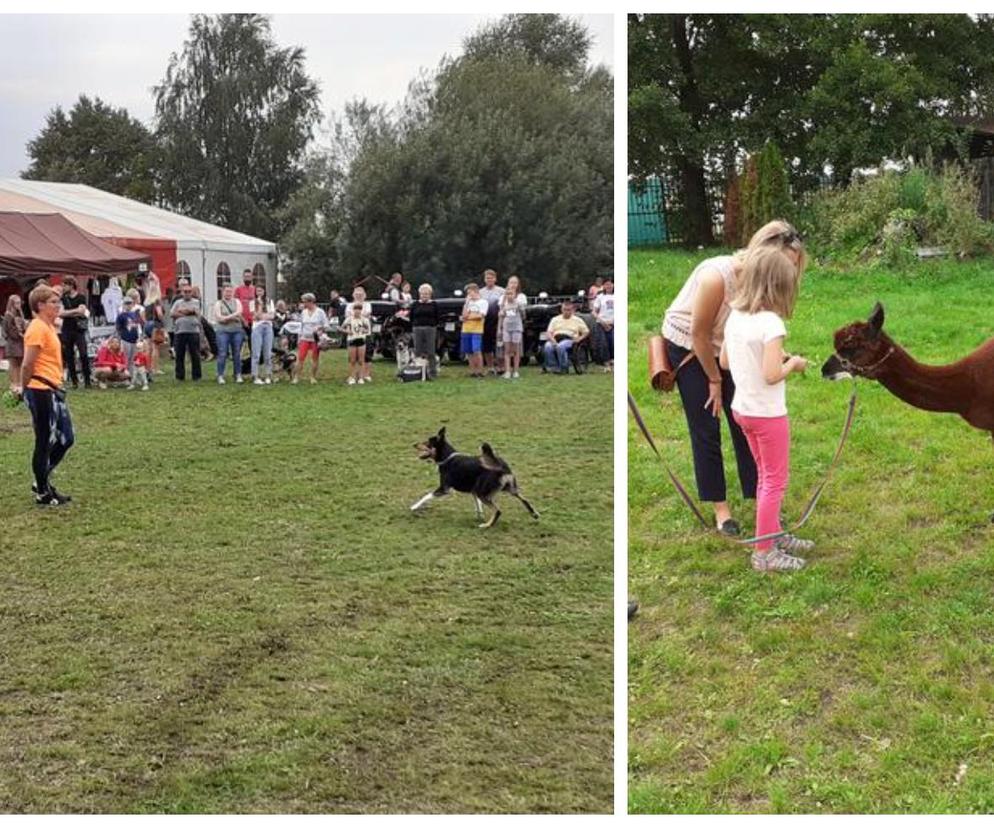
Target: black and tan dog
{"points": [[483, 476]]}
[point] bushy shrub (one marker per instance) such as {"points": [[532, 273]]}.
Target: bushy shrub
{"points": [[773, 187], [731, 229], [899, 240], [888, 216], [764, 191], [951, 214], [748, 188], [912, 193]]}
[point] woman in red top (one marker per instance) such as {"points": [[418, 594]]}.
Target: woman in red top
{"points": [[43, 392], [111, 364]]}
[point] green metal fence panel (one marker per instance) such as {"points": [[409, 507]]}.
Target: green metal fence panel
{"points": [[646, 214]]}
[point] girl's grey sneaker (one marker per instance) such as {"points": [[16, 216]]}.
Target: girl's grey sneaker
{"points": [[792, 545], [776, 561]]}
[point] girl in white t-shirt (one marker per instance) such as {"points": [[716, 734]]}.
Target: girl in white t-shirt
{"points": [[357, 330], [511, 327], [359, 295], [753, 352]]}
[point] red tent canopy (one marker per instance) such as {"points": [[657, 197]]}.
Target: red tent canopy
{"points": [[48, 243]]}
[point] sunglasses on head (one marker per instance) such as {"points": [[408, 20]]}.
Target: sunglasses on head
{"points": [[789, 237]]}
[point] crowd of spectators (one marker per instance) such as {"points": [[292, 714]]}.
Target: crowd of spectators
{"points": [[285, 341]]}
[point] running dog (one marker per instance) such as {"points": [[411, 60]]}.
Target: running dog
{"points": [[483, 476]]}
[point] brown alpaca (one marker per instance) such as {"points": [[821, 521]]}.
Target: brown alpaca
{"points": [[965, 387]]}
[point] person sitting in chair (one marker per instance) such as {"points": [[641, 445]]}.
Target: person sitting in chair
{"points": [[565, 332]]}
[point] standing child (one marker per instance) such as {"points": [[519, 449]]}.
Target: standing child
{"points": [[474, 313], [356, 328], [143, 364], [512, 327], [359, 295], [753, 352], [129, 325]]}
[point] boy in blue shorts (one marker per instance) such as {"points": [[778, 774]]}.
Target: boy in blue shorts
{"points": [[474, 313]]}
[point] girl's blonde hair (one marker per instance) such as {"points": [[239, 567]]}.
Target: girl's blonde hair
{"points": [[780, 235], [14, 305], [427, 287], [769, 282]]}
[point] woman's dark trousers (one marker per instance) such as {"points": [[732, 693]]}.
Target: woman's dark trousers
{"points": [[705, 430]]}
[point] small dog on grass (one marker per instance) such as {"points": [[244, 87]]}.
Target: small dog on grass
{"points": [[483, 476], [283, 361]]}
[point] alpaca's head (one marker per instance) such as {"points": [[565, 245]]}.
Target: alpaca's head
{"points": [[859, 348]]}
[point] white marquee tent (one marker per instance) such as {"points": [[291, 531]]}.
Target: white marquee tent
{"points": [[179, 246]]}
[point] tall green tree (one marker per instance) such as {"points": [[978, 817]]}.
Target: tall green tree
{"points": [[549, 40], [834, 92], [235, 113], [330, 240], [99, 145], [898, 88], [500, 159]]}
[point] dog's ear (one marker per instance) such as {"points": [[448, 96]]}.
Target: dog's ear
{"points": [[876, 321], [441, 433]]}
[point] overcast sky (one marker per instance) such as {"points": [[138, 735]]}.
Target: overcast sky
{"points": [[49, 60]]}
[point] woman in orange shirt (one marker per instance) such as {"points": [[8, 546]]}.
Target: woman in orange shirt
{"points": [[42, 378]]}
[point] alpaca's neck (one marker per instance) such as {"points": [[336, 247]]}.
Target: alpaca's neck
{"points": [[929, 387]]}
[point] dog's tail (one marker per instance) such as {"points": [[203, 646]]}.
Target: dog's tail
{"points": [[491, 461]]}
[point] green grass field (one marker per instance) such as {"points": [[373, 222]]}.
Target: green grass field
{"points": [[866, 682], [239, 613]]}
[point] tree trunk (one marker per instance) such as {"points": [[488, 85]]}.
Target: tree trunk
{"points": [[692, 179], [698, 230]]}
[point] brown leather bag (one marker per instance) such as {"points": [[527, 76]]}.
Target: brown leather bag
{"points": [[662, 375]]}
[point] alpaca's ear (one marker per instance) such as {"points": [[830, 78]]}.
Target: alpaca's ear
{"points": [[876, 320]]}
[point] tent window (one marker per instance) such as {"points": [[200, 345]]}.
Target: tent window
{"points": [[259, 272], [182, 269], [223, 277]]}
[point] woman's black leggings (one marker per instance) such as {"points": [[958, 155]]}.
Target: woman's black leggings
{"points": [[705, 430], [53, 433]]}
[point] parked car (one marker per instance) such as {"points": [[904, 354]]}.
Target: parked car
{"points": [[392, 327]]}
